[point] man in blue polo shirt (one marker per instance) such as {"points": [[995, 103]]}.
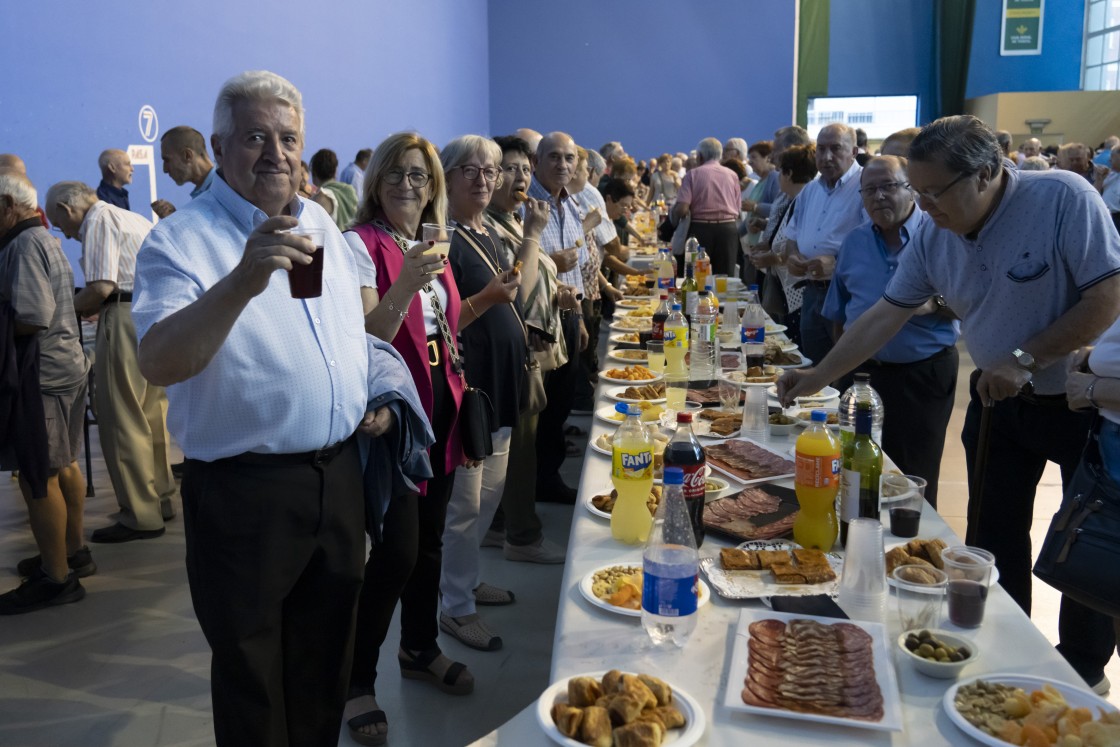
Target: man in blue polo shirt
{"points": [[1031, 263], [915, 372]]}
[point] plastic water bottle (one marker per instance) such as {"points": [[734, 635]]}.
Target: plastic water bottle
{"points": [[754, 330], [860, 390], [702, 339], [666, 270], [670, 569]]}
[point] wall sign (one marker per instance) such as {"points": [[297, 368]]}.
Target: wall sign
{"points": [[145, 155], [149, 123], [1021, 27]]}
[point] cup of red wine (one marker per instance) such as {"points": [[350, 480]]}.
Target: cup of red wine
{"points": [[970, 571], [903, 495], [306, 281]]}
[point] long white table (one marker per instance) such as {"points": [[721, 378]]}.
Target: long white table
{"points": [[589, 639]]}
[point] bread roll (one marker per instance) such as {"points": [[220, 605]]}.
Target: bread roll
{"points": [[623, 709], [567, 719], [659, 687], [639, 734], [596, 727], [583, 691]]}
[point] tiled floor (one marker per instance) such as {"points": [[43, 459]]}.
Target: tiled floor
{"points": [[128, 667]]}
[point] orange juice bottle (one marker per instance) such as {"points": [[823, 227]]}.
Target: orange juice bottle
{"points": [[816, 481]]}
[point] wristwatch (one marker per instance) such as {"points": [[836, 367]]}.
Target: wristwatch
{"points": [[1025, 359]]}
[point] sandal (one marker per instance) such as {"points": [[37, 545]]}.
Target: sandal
{"points": [[368, 718], [456, 680], [492, 596], [470, 631]]}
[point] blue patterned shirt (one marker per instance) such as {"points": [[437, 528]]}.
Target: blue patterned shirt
{"points": [[564, 229], [291, 376]]}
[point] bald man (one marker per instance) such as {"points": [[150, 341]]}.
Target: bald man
{"points": [[532, 137], [116, 171], [183, 151]]}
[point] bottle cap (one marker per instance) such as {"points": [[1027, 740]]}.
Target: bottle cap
{"points": [[673, 476], [819, 416], [862, 377], [702, 293], [684, 417], [664, 294], [676, 307], [623, 408]]}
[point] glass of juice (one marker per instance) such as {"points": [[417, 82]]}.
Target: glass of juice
{"points": [[676, 389], [438, 238], [721, 285], [655, 356]]}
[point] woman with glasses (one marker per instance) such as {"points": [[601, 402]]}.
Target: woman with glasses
{"points": [[416, 306], [494, 350], [796, 168]]}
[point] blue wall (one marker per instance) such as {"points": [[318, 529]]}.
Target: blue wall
{"points": [[657, 74], [78, 73], [1058, 68], [881, 48]]}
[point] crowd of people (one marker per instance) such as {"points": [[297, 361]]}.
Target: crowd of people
{"points": [[481, 272]]}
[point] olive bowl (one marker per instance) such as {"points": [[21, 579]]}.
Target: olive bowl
{"points": [[940, 669]]}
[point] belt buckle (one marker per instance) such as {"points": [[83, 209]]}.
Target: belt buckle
{"points": [[433, 352]]}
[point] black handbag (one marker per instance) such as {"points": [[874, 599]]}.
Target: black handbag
{"points": [[1081, 551], [476, 415], [665, 230]]}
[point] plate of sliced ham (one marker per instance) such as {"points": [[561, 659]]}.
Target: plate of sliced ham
{"points": [[748, 461], [813, 669]]}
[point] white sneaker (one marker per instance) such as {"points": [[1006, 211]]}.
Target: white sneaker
{"points": [[541, 551], [1102, 686]]}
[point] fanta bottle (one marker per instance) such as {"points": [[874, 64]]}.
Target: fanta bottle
{"points": [[816, 481], [632, 476]]}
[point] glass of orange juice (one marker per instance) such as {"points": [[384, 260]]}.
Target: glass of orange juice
{"points": [[721, 285]]}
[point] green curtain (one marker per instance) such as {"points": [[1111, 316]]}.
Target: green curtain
{"points": [[952, 47], [812, 53]]}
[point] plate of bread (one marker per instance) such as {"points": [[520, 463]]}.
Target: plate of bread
{"points": [[621, 709], [618, 588], [772, 568], [921, 552]]}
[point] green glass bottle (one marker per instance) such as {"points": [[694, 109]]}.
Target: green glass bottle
{"points": [[688, 293], [859, 479]]}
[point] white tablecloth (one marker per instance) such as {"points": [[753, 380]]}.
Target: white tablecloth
{"points": [[589, 639]]}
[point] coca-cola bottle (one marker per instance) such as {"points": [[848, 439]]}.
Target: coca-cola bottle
{"points": [[685, 451], [659, 317]]}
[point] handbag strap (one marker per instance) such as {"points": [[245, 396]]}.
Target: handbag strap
{"points": [[437, 307], [470, 239]]}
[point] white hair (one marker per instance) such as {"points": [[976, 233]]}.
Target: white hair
{"points": [[253, 85], [710, 149], [595, 162], [462, 148], [74, 194], [20, 189], [1035, 163], [738, 144]]}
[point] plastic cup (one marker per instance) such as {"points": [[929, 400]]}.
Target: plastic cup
{"points": [[863, 582], [439, 236], [920, 590], [907, 496], [756, 414], [729, 391], [969, 570], [306, 281], [655, 355], [721, 284]]}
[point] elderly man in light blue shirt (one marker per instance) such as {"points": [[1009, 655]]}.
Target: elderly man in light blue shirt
{"points": [[265, 392]]}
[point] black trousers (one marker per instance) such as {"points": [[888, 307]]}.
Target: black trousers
{"points": [[560, 386], [405, 565], [1023, 437], [720, 241], [918, 402], [274, 562]]}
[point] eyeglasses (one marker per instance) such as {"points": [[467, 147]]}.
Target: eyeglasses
{"points": [[415, 178], [888, 189], [935, 196], [515, 169], [470, 173]]}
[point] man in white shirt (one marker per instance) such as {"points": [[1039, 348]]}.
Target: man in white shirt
{"points": [[131, 413], [826, 210]]}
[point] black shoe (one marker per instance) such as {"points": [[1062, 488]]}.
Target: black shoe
{"points": [[40, 592], [555, 491], [120, 533], [177, 470], [81, 562]]}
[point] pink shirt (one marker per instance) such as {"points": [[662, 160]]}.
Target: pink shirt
{"points": [[712, 192]]}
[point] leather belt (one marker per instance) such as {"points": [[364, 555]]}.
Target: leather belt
{"points": [[888, 364], [317, 458], [433, 351], [118, 297], [708, 222], [815, 283]]}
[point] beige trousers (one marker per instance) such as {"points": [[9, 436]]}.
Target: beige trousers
{"points": [[132, 424]]}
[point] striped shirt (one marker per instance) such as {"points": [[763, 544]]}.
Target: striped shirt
{"points": [[111, 237], [563, 230]]}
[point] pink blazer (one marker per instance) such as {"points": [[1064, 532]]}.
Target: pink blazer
{"points": [[412, 340]]}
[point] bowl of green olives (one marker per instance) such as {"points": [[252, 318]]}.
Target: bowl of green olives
{"points": [[937, 653]]}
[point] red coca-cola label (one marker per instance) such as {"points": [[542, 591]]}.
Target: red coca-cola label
{"points": [[693, 481], [658, 328]]}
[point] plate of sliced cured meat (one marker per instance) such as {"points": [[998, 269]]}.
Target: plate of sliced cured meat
{"points": [[748, 461], [813, 669], [759, 512]]}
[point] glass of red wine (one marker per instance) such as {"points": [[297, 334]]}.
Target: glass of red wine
{"points": [[903, 496]]}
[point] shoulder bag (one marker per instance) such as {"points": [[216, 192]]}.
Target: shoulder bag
{"points": [[1081, 551], [533, 396], [476, 413]]}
